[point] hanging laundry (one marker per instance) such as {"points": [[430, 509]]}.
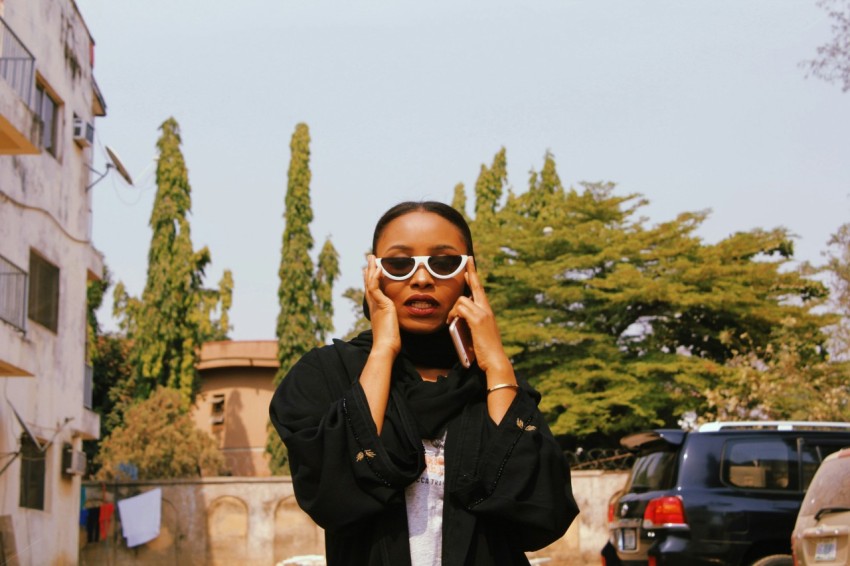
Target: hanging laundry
{"points": [[140, 517], [106, 512], [93, 524]]}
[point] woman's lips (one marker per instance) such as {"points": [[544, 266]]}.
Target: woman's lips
{"points": [[421, 306]]}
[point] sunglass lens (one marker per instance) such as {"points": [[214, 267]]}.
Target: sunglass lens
{"points": [[398, 266], [445, 264]]}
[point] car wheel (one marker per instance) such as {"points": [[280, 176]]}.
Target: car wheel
{"points": [[775, 560]]}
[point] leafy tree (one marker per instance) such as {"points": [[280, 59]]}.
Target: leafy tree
{"points": [[174, 315], [490, 186], [107, 355], [623, 325], [795, 377], [326, 274], [161, 441], [306, 312], [833, 61], [361, 324], [459, 200], [838, 266]]}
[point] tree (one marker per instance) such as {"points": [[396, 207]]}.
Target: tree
{"points": [[326, 274], [490, 186], [622, 325], [306, 311], [459, 200], [175, 313], [838, 267], [160, 440], [833, 61]]}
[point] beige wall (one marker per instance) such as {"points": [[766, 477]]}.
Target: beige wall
{"points": [[257, 521], [242, 372], [44, 206]]}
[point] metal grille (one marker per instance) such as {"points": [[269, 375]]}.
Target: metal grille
{"points": [[17, 65], [13, 294]]}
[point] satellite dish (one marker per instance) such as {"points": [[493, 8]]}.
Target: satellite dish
{"points": [[27, 429], [116, 162]]}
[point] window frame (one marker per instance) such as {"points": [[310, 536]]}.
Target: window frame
{"points": [[33, 475], [44, 95], [37, 303]]}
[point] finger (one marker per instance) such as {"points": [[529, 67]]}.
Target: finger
{"points": [[474, 282]]}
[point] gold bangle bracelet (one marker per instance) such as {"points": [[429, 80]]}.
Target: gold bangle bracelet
{"points": [[502, 386]]}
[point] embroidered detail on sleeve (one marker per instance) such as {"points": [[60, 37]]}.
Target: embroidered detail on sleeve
{"points": [[364, 454], [525, 427]]}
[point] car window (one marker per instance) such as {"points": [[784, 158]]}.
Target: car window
{"points": [[830, 487], [653, 471], [812, 453], [759, 463]]}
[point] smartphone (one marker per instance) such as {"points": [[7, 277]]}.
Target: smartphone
{"points": [[462, 338]]}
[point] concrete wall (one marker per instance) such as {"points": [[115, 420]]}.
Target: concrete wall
{"points": [[45, 208], [253, 521]]}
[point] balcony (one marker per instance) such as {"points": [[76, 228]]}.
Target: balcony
{"points": [[18, 121], [13, 294]]}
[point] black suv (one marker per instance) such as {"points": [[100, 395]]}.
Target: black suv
{"points": [[727, 493]]}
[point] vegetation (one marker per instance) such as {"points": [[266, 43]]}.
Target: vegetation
{"points": [[833, 61], [175, 314], [306, 309], [622, 325], [159, 440]]}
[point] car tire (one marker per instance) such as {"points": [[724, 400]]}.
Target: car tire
{"points": [[775, 560]]}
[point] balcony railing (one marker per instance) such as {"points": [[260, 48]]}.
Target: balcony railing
{"points": [[88, 388], [17, 64], [13, 294]]}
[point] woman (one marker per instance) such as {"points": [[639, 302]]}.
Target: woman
{"points": [[402, 455]]}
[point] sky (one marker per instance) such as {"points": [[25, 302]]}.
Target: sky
{"points": [[698, 105]]}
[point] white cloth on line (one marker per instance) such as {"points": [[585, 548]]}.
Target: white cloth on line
{"points": [[140, 517]]}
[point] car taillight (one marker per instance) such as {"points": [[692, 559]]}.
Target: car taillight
{"points": [[611, 512], [651, 561], [664, 511]]}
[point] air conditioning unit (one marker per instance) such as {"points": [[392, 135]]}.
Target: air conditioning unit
{"points": [[73, 461], [83, 132]]}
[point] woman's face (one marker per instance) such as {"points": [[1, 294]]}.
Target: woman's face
{"points": [[422, 301]]}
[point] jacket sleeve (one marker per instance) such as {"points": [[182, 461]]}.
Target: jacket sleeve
{"points": [[342, 471], [521, 479]]}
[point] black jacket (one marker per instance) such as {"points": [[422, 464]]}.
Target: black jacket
{"points": [[507, 487]]}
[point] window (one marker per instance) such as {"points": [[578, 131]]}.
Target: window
{"points": [[217, 409], [32, 474], [763, 463], [653, 471], [43, 305], [46, 108]]}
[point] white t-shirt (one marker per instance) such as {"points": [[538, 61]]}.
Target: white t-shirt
{"points": [[424, 499]]}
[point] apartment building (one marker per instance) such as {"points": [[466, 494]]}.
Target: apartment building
{"points": [[48, 104]]}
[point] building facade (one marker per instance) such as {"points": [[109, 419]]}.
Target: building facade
{"points": [[48, 105], [232, 405]]}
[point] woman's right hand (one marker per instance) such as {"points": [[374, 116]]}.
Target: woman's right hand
{"points": [[385, 332]]}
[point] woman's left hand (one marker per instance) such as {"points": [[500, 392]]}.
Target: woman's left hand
{"points": [[476, 311]]}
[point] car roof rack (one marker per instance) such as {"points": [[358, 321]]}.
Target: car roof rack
{"points": [[773, 425]]}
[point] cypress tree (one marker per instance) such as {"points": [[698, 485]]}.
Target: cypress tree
{"points": [[459, 200], [306, 310], [167, 326]]}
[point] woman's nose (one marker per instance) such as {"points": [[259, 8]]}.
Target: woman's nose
{"points": [[421, 277]]}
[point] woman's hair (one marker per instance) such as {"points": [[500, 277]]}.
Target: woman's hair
{"points": [[438, 208]]}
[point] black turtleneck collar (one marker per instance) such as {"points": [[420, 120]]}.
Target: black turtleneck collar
{"points": [[433, 351]]}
